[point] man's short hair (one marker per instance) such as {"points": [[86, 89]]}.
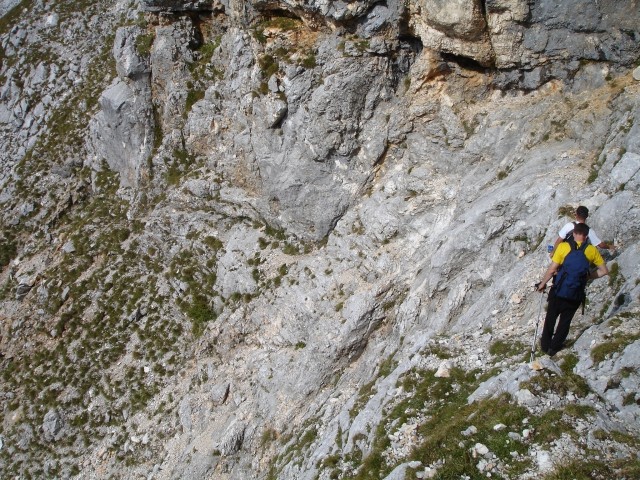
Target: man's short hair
{"points": [[581, 229], [582, 211]]}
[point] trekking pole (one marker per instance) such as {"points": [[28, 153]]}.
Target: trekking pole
{"points": [[535, 335]]}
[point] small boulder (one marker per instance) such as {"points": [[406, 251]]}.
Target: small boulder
{"points": [[444, 370], [52, 426]]}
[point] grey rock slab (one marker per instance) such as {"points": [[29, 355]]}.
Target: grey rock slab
{"points": [[626, 170], [7, 5], [615, 217], [457, 18], [129, 63], [526, 398], [220, 393], [184, 414], [52, 426], [234, 274], [398, 473], [232, 439], [508, 381], [121, 132]]}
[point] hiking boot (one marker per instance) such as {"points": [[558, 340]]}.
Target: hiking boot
{"points": [[551, 352]]}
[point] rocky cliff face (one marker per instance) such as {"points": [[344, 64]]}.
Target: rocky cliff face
{"points": [[298, 240]]}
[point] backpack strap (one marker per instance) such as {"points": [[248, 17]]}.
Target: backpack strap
{"points": [[572, 243], [583, 249]]}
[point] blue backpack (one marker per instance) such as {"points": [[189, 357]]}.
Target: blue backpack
{"points": [[572, 276]]}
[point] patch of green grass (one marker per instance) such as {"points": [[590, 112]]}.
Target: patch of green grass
{"points": [[276, 233], [566, 211], [406, 82], [258, 34], [290, 249], [284, 24], [208, 49], [590, 469], [365, 392], [8, 248], [144, 43], [616, 343], [507, 348], [193, 95], [268, 436], [387, 366], [444, 402], [268, 65], [502, 174], [200, 313], [309, 61], [614, 273], [178, 166], [440, 351], [214, 243], [201, 69], [559, 384], [362, 45]]}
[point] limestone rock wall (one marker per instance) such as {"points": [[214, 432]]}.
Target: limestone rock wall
{"points": [[299, 138]]}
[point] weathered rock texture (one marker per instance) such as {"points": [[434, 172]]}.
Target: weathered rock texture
{"points": [[286, 239]]}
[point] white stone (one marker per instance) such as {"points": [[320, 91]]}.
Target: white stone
{"points": [[444, 370], [69, 247], [543, 458], [636, 74], [480, 449], [472, 430], [52, 20], [526, 398]]}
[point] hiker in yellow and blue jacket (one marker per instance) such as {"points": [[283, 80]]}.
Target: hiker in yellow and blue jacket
{"points": [[571, 265]]}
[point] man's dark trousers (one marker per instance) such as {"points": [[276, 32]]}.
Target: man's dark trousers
{"points": [[558, 307]]}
